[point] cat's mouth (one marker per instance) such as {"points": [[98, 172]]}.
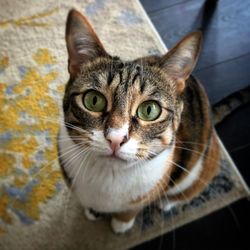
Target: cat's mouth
{"points": [[114, 158]]}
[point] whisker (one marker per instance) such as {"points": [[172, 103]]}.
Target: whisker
{"points": [[200, 195], [87, 165], [191, 150], [78, 171], [187, 171], [171, 216], [67, 124], [140, 169], [199, 153], [201, 180], [74, 180]]}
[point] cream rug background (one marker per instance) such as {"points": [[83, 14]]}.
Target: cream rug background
{"points": [[36, 209]]}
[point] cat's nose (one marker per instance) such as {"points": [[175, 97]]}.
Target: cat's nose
{"points": [[116, 141]]}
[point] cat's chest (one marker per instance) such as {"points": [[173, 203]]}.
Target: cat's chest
{"points": [[101, 187], [106, 190]]}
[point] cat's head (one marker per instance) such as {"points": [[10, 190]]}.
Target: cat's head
{"points": [[124, 111]]}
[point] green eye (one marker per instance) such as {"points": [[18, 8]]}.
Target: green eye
{"points": [[94, 101], [149, 111]]}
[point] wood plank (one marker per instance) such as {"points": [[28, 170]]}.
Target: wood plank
{"points": [[228, 34], [235, 134], [224, 229], [223, 79], [235, 131], [152, 6], [241, 159]]}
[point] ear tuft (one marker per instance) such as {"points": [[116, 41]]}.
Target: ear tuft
{"points": [[180, 61], [82, 42], [180, 85]]}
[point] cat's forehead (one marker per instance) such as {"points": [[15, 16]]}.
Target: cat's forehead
{"points": [[126, 77]]}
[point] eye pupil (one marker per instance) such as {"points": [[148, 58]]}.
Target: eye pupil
{"points": [[94, 100], [148, 110]]}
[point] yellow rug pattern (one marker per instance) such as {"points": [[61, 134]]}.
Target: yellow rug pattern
{"points": [[33, 73]]}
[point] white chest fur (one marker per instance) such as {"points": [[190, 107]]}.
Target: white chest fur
{"points": [[101, 187]]}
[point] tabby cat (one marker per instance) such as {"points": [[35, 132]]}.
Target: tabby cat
{"points": [[134, 131]]}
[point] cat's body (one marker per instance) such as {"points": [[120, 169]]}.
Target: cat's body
{"points": [[140, 130]]}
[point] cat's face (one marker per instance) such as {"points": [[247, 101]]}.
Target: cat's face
{"points": [[127, 109], [124, 112]]}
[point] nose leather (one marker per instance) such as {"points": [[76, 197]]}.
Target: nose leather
{"points": [[115, 141]]}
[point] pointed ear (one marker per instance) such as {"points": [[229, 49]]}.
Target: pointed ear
{"points": [[180, 61], [82, 42]]}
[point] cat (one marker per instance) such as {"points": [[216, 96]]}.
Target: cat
{"points": [[134, 132]]}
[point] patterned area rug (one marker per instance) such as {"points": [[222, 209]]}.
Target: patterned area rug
{"points": [[36, 209]]}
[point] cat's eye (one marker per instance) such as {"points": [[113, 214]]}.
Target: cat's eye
{"points": [[94, 101], [149, 111]]}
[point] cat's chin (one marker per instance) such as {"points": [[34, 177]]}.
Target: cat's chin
{"points": [[117, 162], [114, 158]]}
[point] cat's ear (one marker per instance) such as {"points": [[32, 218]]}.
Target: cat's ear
{"points": [[82, 42], [180, 61]]}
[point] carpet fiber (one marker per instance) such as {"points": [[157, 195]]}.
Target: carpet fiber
{"points": [[36, 209]]}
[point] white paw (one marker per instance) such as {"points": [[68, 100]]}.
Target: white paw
{"points": [[120, 227], [166, 206], [91, 215]]}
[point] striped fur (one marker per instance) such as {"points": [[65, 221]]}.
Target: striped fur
{"points": [[174, 156]]}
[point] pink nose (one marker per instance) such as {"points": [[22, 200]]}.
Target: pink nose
{"points": [[116, 141]]}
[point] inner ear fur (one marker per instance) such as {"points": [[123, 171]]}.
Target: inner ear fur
{"points": [[83, 44], [180, 61]]}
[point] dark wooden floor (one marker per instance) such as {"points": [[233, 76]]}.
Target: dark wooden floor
{"points": [[223, 68]]}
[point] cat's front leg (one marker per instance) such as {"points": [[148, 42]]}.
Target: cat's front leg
{"points": [[123, 222], [92, 215], [167, 205]]}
